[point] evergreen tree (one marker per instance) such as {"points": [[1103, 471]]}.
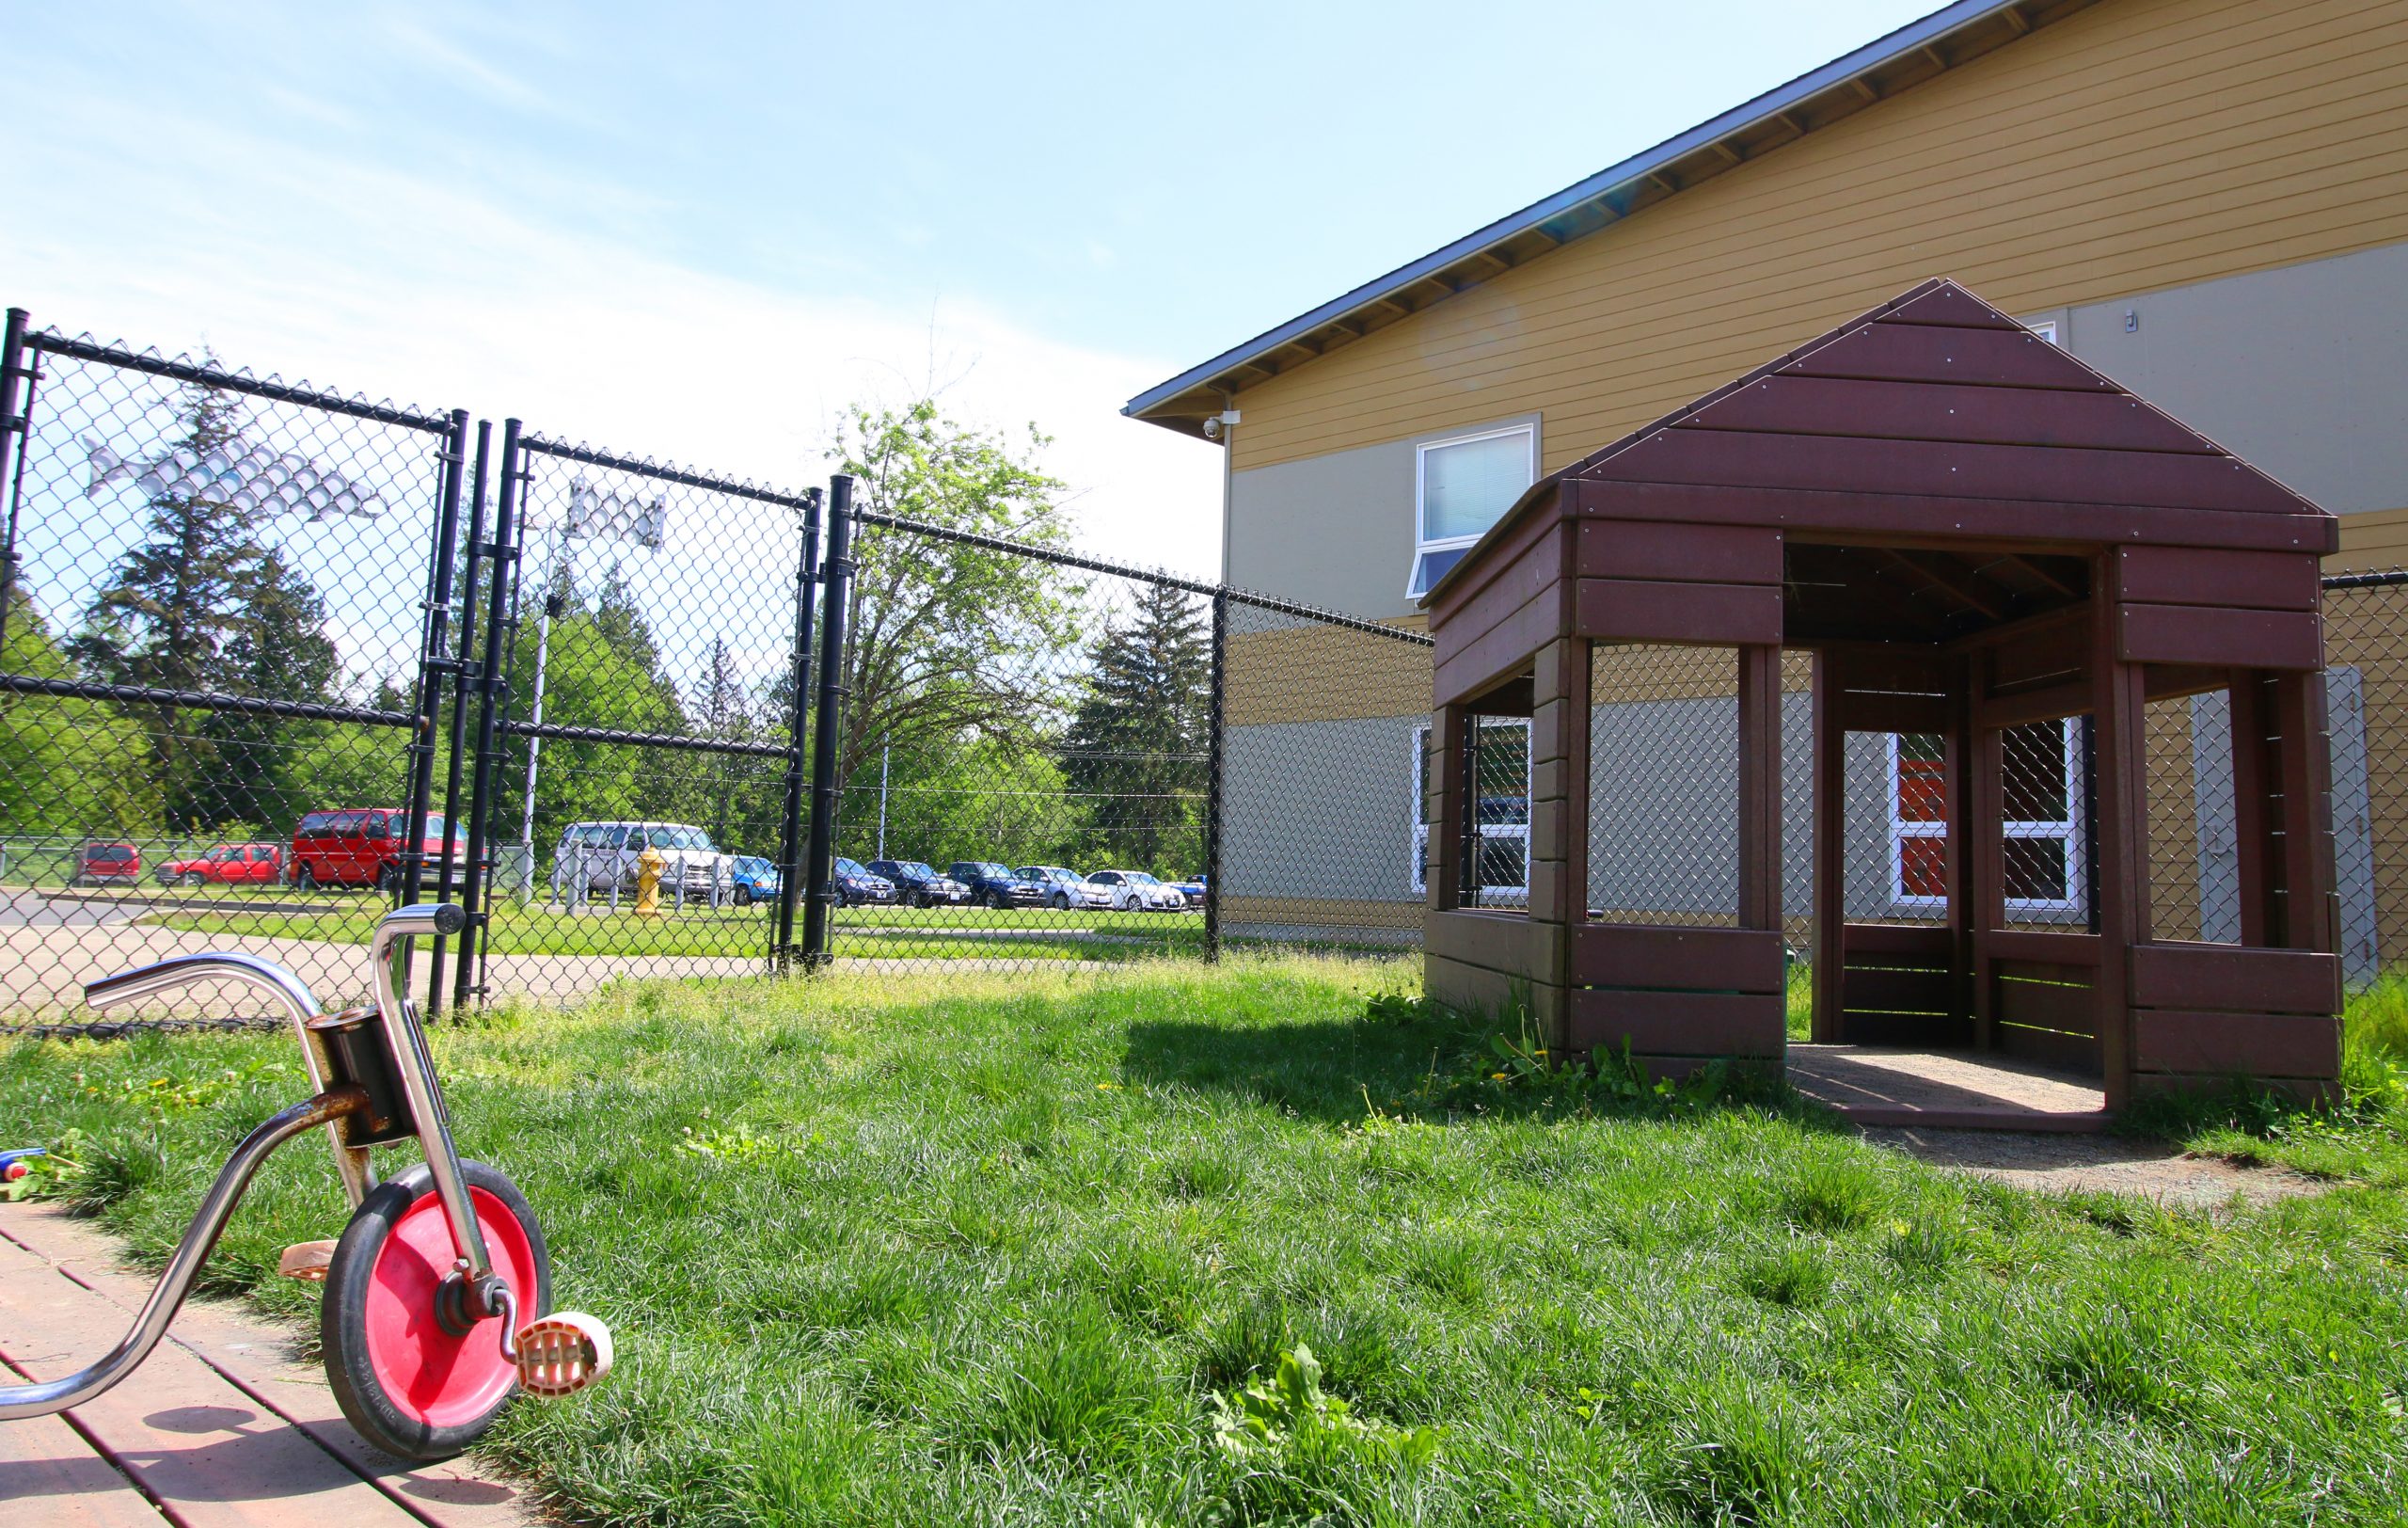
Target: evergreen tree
{"points": [[282, 651], [1135, 748]]}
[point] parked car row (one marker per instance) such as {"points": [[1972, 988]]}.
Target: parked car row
{"points": [[360, 846], [993, 884]]}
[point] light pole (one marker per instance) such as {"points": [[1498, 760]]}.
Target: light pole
{"points": [[592, 515], [885, 751]]}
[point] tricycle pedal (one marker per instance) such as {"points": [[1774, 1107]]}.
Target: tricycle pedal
{"points": [[307, 1261], [563, 1353]]}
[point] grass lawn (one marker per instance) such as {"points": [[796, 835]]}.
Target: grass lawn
{"points": [[989, 1251], [955, 934]]}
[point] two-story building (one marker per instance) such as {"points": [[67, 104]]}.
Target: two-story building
{"points": [[2205, 200]]}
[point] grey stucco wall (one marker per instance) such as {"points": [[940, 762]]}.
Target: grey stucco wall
{"points": [[1335, 531], [2296, 369], [1319, 809]]}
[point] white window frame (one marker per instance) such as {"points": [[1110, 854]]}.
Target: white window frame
{"points": [[1422, 543], [2068, 832], [1418, 853], [2046, 328]]}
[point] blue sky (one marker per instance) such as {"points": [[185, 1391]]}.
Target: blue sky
{"points": [[696, 230]]}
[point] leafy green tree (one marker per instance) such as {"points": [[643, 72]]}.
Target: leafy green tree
{"points": [[951, 644], [988, 799], [282, 651], [67, 766], [1135, 749]]}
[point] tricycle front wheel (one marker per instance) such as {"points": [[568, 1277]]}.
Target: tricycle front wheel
{"points": [[411, 1378]]}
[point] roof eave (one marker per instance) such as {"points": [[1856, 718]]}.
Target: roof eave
{"points": [[1789, 112]]}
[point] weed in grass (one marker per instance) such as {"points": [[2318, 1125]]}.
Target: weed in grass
{"points": [[1449, 1265], [1738, 1456], [113, 1170], [1797, 1274], [1832, 1193], [1923, 1248], [2109, 1359], [1245, 1341], [1071, 1384]]}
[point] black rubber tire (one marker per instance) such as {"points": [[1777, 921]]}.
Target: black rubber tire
{"points": [[1000, 903], [302, 880], [342, 1333], [744, 896], [1061, 901], [919, 900], [389, 880]]}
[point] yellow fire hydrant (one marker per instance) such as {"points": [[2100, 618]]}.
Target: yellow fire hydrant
{"points": [[648, 867]]}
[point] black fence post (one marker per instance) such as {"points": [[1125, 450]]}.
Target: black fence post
{"points": [[806, 574], [434, 656], [1214, 723], [463, 671], [491, 684], [16, 430], [837, 576]]}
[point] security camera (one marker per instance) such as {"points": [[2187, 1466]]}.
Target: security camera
{"points": [[1212, 428]]}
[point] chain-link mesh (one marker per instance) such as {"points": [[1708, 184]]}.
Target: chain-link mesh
{"points": [[1664, 784], [1325, 838], [645, 732], [215, 614]]}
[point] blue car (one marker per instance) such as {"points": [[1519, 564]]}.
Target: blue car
{"points": [[1193, 889], [754, 877]]}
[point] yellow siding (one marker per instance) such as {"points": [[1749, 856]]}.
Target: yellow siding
{"points": [[2372, 542], [2140, 144]]}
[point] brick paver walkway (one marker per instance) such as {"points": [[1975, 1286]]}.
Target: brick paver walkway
{"points": [[221, 1426]]}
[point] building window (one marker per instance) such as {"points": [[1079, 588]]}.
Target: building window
{"points": [[2045, 327], [1461, 486], [2041, 769], [1504, 808]]}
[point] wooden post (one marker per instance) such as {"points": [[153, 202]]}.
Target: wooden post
{"points": [[1956, 767], [1759, 788], [2119, 702], [1559, 864], [2253, 824], [1445, 808], [1984, 844], [1831, 878], [2304, 813]]}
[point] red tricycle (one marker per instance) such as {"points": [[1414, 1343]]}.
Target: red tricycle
{"points": [[437, 1302]]}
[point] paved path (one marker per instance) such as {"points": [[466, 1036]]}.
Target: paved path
{"points": [[221, 1426]]}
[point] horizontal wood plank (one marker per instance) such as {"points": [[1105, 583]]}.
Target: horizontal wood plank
{"points": [[2173, 975], [1647, 549], [2195, 576], [1907, 521], [2237, 1044], [2042, 1005], [1920, 1032], [1614, 609], [1870, 465], [2275, 639], [2073, 949], [1948, 306], [1874, 990], [1868, 710], [1503, 650], [1504, 942], [1931, 940], [1976, 357], [1499, 574], [1696, 960], [1677, 1023]]}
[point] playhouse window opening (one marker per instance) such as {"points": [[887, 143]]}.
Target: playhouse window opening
{"points": [[1499, 874]]}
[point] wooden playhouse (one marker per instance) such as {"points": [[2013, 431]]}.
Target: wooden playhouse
{"points": [[2071, 551]]}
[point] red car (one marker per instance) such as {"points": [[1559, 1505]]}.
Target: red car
{"points": [[103, 862], [359, 845], [231, 865]]}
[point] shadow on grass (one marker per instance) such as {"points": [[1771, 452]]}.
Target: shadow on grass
{"points": [[1415, 1059]]}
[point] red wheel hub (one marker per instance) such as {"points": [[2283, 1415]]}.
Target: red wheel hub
{"points": [[441, 1379]]}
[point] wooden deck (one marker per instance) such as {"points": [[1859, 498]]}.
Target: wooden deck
{"points": [[1946, 1090], [221, 1426]]}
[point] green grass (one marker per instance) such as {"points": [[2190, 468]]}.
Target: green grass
{"points": [[980, 1251], [957, 934]]}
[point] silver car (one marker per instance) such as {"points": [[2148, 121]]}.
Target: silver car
{"points": [[1064, 889], [600, 858]]}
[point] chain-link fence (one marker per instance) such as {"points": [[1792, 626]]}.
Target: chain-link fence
{"points": [[219, 591], [272, 657]]}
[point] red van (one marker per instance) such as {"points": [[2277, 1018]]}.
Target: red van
{"points": [[359, 845], [105, 860]]}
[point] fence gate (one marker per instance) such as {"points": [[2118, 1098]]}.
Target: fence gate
{"points": [[628, 715], [224, 602]]}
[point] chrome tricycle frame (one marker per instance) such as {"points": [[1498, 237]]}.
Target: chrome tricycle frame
{"points": [[374, 1083]]}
